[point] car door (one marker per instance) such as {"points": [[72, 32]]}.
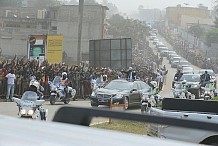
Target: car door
{"points": [[134, 93]]}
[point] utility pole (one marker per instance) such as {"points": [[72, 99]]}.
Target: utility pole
{"points": [[81, 5]]}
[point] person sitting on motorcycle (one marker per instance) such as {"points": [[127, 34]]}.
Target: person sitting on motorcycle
{"points": [[36, 87], [154, 90], [64, 82], [177, 76]]}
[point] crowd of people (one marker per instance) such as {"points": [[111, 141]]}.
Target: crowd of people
{"points": [[146, 68], [193, 55]]}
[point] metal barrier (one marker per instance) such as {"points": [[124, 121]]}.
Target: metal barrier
{"points": [[83, 88]]}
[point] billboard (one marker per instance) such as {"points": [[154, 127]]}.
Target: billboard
{"points": [[113, 53], [36, 46], [54, 48]]}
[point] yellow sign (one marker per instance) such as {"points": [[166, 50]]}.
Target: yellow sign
{"points": [[54, 48]]}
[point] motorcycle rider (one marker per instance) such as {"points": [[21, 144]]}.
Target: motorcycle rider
{"points": [[154, 90], [185, 88], [205, 79], [177, 76], [38, 89], [64, 82]]}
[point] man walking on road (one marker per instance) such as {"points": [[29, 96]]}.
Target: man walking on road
{"points": [[10, 85]]}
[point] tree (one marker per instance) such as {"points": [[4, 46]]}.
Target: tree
{"points": [[11, 3], [197, 31], [112, 8], [46, 3], [216, 22], [212, 36]]}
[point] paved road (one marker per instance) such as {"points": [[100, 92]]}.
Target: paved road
{"points": [[10, 108]]}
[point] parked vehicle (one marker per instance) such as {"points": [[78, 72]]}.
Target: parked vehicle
{"points": [[182, 63], [187, 70], [159, 49], [197, 110], [164, 53], [194, 81], [59, 93], [178, 92], [174, 63], [30, 107], [175, 58], [172, 55], [118, 90]]}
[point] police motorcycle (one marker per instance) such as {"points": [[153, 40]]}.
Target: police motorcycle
{"points": [[180, 92], [209, 91], [60, 93], [30, 104], [150, 98]]}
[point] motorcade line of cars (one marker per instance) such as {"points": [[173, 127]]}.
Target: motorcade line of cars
{"points": [[189, 74]]}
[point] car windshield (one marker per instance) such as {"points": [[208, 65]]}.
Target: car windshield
{"points": [[191, 78], [183, 63], [29, 95], [210, 72], [119, 85], [57, 80], [187, 68]]}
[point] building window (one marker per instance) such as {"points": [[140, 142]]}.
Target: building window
{"points": [[54, 27]]}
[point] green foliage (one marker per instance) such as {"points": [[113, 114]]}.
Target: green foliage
{"points": [[46, 3], [124, 126], [215, 98], [197, 31], [120, 27], [212, 36], [11, 3]]}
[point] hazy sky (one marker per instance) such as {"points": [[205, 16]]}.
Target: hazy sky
{"points": [[127, 6]]}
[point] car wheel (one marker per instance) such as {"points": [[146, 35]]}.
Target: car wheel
{"points": [[94, 104], [198, 94], [52, 100], [126, 103]]}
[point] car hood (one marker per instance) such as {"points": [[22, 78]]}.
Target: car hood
{"points": [[193, 83], [110, 91]]}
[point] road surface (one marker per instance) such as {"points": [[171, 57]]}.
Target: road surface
{"points": [[10, 108]]}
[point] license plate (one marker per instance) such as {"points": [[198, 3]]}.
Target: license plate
{"points": [[102, 100]]}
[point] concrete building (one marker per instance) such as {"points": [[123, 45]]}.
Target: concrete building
{"points": [[174, 14], [17, 23]]}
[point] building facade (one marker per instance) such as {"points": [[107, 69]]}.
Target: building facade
{"points": [[16, 24], [174, 14]]}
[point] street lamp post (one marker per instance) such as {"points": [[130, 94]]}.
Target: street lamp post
{"points": [[81, 5]]}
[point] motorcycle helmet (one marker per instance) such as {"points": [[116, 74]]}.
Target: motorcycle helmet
{"points": [[184, 82], [64, 75], [154, 83]]}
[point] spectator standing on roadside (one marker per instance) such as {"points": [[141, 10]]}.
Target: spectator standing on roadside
{"points": [[10, 84]]}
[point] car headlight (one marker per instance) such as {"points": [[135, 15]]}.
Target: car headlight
{"points": [[22, 111], [207, 92], [30, 112], [118, 96], [194, 86]]}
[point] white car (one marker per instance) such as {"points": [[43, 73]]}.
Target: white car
{"points": [[187, 70]]}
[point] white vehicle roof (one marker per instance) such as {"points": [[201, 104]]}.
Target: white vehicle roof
{"points": [[21, 132]]}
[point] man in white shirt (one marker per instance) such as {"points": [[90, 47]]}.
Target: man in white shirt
{"points": [[10, 85]]}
